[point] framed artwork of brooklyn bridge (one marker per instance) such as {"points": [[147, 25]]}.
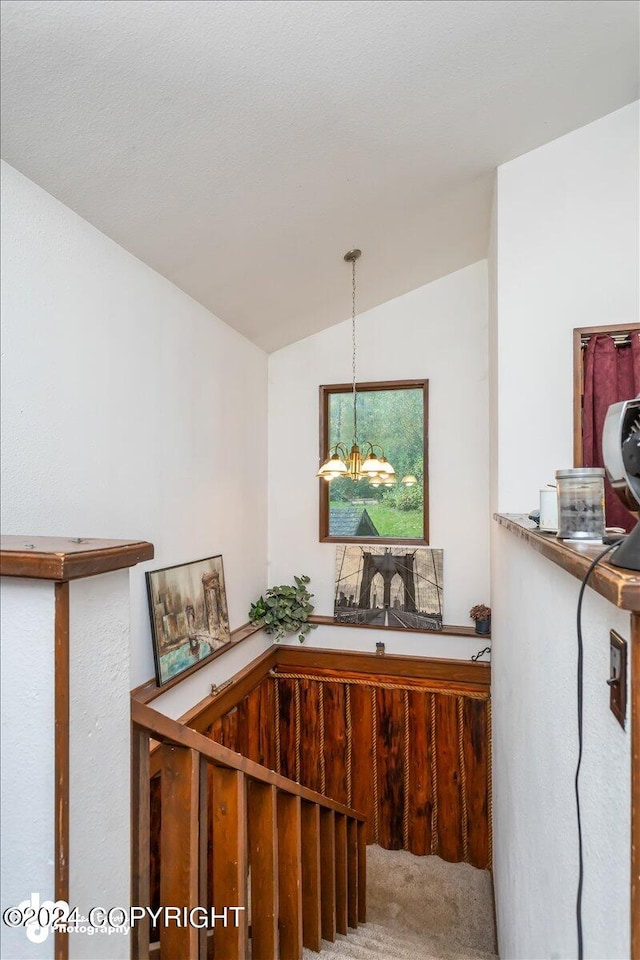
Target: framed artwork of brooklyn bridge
{"points": [[189, 617], [395, 587]]}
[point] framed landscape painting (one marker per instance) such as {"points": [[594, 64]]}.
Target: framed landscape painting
{"points": [[189, 616]]}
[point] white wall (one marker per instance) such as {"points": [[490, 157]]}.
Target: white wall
{"points": [[565, 255], [128, 409], [28, 812], [439, 332], [535, 745]]}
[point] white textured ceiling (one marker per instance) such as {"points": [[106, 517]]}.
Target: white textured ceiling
{"points": [[240, 148]]}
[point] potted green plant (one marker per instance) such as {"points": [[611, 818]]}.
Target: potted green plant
{"points": [[482, 616], [284, 609]]}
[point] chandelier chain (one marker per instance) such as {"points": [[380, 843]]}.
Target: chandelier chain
{"points": [[353, 337], [354, 464]]}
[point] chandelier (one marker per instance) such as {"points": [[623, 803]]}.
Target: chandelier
{"points": [[366, 461]]}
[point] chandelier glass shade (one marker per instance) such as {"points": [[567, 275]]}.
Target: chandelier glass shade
{"points": [[357, 464], [365, 460]]}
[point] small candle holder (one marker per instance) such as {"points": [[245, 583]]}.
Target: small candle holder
{"points": [[380, 649]]}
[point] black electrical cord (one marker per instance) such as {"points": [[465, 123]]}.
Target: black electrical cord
{"points": [[585, 580]]}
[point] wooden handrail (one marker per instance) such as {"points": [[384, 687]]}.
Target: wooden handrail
{"points": [[266, 831], [166, 730]]}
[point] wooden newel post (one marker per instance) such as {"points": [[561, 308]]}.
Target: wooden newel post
{"points": [[65, 608]]}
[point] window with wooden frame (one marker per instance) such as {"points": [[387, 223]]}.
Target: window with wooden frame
{"points": [[394, 417]]}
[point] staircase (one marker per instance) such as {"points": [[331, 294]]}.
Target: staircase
{"points": [[296, 856], [420, 908]]}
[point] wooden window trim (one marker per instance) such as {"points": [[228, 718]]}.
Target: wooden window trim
{"points": [[578, 385], [325, 391]]}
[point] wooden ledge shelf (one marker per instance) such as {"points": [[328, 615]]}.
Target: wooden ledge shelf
{"points": [[66, 558], [150, 690], [620, 587], [448, 629], [355, 662]]}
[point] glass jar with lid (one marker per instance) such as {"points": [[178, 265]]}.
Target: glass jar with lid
{"points": [[581, 503]]}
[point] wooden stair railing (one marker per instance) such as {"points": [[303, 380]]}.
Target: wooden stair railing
{"points": [[304, 853]]}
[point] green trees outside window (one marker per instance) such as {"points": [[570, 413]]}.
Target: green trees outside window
{"points": [[394, 417]]}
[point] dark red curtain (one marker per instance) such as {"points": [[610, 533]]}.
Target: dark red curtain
{"points": [[611, 374]]}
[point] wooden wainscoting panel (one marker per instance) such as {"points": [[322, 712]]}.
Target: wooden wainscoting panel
{"points": [[420, 778], [287, 725], [411, 753], [390, 764], [214, 732], [310, 720], [449, 805], [267, 743], [476, 747], [255, 725], [362, 756], [417, 767], [204, 713], [335, 743], [249, 725], [224, 730], [230, 730]]}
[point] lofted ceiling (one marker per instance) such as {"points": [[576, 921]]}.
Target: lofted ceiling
{"points": [[239, 148]]}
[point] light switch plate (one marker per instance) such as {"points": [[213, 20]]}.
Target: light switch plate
{"points": [[618, 671]]}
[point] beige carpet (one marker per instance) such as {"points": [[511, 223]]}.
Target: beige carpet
{"points": [[420, 908]]}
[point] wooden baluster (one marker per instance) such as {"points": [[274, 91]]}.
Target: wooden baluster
{"points": [[290, 876], [362, 872], [328, 873], [352, 872], [341, 872], [179, 876], [203, 845], [263, 857], [140, 840], [311, 923], [230, 862]]}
